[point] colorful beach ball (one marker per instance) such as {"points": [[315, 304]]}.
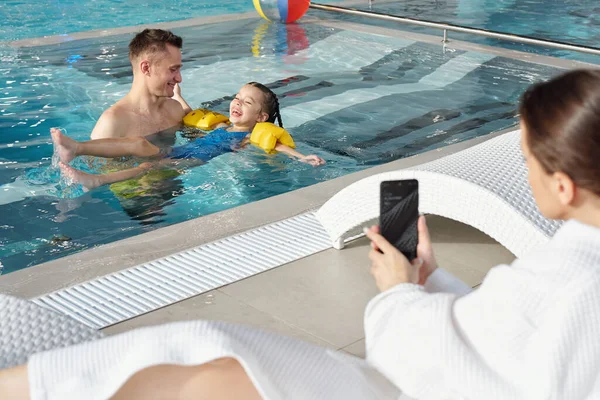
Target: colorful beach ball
{"points": [[285, 11]]}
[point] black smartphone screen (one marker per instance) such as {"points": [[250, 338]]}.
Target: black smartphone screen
{"points": [[399, 212]]}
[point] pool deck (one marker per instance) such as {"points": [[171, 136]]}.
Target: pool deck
{"points": [[320, 298]]}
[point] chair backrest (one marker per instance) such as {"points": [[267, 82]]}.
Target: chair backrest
{"points": [[26, 328], [496, 165]]}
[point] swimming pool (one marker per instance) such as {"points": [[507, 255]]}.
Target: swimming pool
{"points": [[355, 109]]}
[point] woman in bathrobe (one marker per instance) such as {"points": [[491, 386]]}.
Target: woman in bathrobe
{"points": [[530, 331]]}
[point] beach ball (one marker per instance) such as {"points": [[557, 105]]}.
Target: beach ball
{"points": [[285, 11]]}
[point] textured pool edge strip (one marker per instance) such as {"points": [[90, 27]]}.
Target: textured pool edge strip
{"points": [[134, 291]]}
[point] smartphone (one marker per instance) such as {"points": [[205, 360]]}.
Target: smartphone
{"points": [[399, 213]]}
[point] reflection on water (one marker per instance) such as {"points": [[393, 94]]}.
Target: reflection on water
{"points": [[144, 199], [282, 40]]}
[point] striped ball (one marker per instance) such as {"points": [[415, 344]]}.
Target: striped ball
{"points": [[285, 11]]}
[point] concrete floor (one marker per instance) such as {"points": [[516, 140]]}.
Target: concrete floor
{"points": [[321, 298]]}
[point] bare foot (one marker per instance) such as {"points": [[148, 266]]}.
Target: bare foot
{"points": [[89, 181], [63, 145], [145, 166]]}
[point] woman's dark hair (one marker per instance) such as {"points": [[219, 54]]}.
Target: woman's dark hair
{"points": [[271, 103], [151, 41], [562, 121]]}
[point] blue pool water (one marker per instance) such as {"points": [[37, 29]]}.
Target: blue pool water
{"points": [[353, 108], [29, 18], [572, 21], [575, 21]]}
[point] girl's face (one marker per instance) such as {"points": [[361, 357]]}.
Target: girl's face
{"points": [[247, 107]]}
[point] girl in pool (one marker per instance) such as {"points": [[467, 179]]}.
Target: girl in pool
{"points": [[254, 103]]}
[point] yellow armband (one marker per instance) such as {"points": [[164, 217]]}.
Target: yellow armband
{"points": [[266, 136], [204, 119]]}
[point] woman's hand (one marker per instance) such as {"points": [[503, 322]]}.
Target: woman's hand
{"points": [[425, 251], [390, 267]]}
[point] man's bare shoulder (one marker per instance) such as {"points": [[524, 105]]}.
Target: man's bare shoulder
{"points": [[114, 122], [174, 109]]}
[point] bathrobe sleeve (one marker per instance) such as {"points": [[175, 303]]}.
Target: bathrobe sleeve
{"points": [[529, 331], [443, 281], [429, 343]]}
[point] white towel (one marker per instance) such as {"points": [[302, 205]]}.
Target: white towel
{"points": [[280, 367]]}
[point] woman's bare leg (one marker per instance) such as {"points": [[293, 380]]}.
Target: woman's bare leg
{"points": [[91, 181], [14, 383], [222, 379], [68, 148]]}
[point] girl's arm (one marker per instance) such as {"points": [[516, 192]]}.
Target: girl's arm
{"points": [[310, 159], [177, 96]]}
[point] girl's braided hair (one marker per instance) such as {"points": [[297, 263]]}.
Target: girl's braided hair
{"points": [[271, 104]]}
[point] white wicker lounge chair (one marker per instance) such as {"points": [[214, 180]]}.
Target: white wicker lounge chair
{"points": [[26, 328], [281, 367], [484, 186]]}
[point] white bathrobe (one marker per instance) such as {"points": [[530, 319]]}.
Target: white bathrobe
{"points": [[530, 331]]}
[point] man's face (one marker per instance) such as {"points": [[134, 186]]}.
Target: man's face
{"points": [[164, 71]]}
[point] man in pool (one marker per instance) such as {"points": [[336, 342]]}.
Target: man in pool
{"points": [[148, 108]]}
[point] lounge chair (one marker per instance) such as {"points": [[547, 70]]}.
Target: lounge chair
{"points": [[281, 367], [26, 328], [484, 186]]}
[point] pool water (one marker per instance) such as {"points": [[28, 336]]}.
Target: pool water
{"points": [[574, 21], [29, 19], [571, 21]]}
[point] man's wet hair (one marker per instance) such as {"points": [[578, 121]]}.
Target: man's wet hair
{"points": [[151, 41]]}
